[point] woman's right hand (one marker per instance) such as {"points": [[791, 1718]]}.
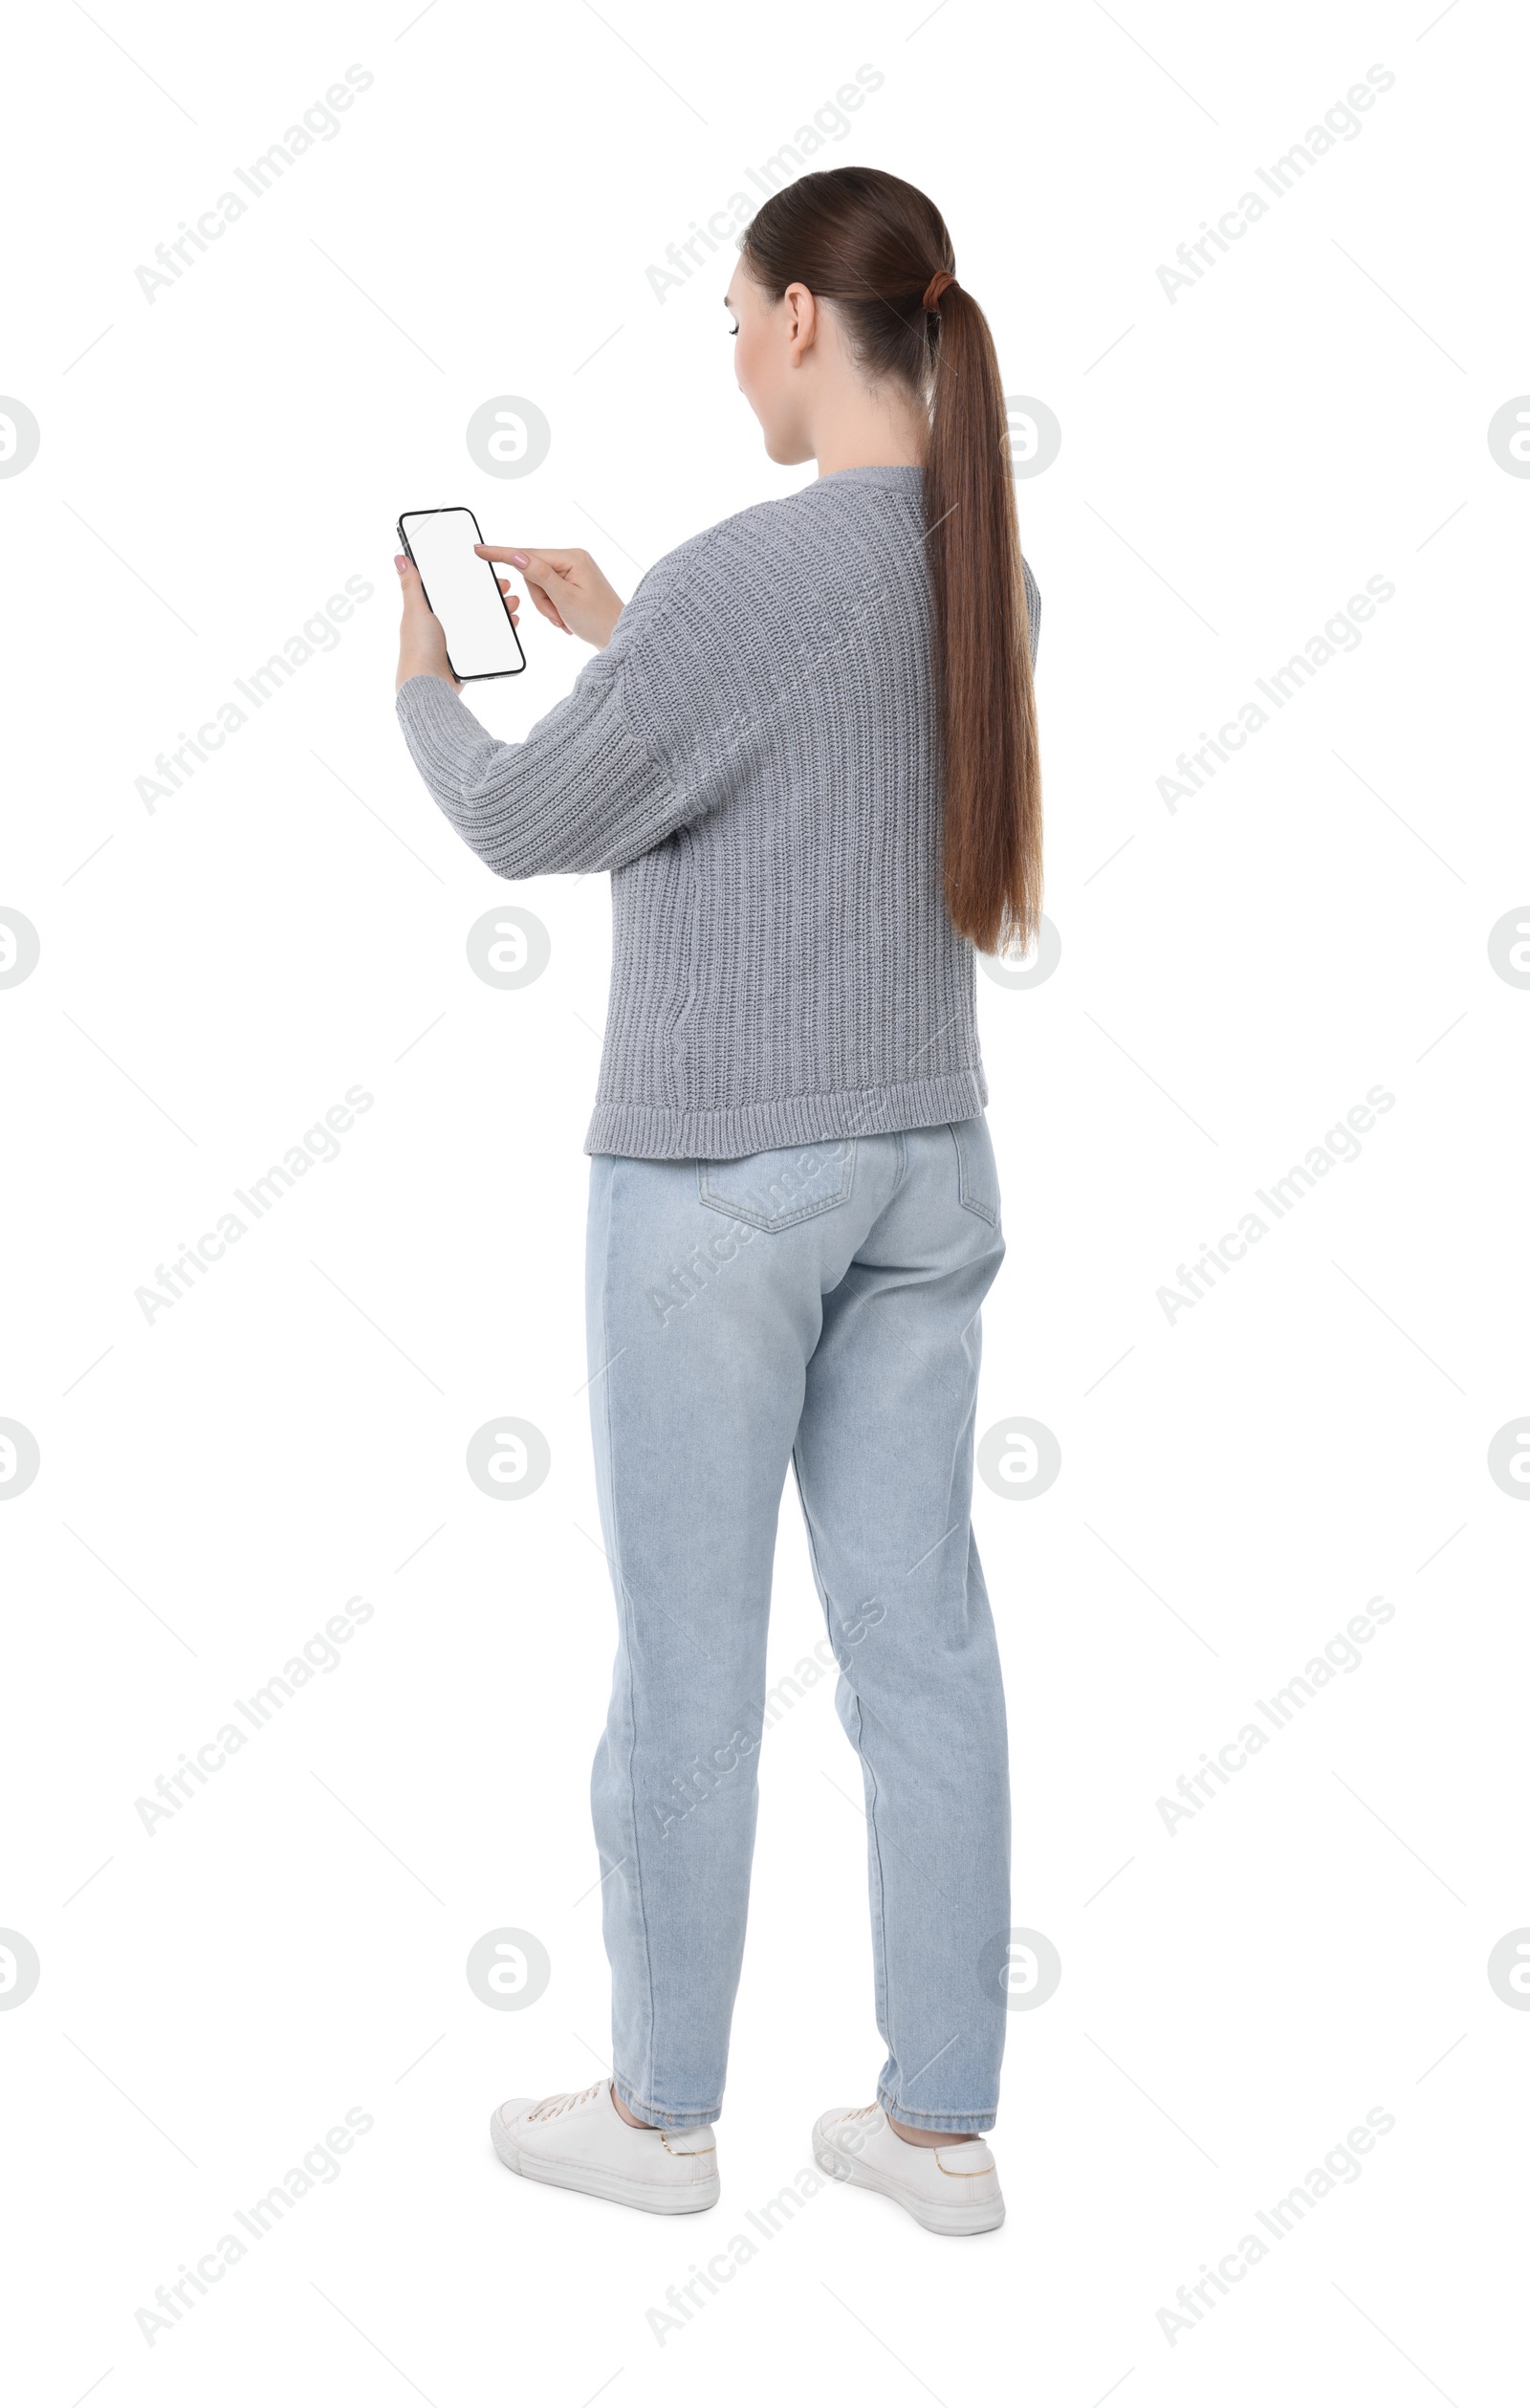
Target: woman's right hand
{"points": [[566, 587]]}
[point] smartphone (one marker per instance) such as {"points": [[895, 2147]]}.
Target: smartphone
{"points": [[464, 593]]}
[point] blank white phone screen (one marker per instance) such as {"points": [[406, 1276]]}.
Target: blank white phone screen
{"points": [[464, 593]]}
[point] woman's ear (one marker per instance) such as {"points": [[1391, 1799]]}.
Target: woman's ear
{"points": [[802, 326]]}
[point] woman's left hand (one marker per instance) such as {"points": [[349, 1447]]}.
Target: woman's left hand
{"points": [[422, 637]]}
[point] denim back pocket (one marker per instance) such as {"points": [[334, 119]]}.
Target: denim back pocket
{"points": [[977, 1170], [776, 1189]]}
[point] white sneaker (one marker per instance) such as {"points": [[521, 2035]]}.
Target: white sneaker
{"points": [[577, 2139], [952, 2188]]}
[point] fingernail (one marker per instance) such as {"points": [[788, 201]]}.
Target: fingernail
{"points": [[520, 559], [399, 562]]}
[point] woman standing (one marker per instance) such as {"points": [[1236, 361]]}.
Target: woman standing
{"points": [[805, 751]]}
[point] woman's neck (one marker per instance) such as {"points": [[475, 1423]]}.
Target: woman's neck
{"points": [[873, 431]]}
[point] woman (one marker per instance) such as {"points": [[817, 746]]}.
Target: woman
{"points": [[806, 750]]}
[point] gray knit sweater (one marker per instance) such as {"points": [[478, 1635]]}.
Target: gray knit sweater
{"points": [[754, 757]]}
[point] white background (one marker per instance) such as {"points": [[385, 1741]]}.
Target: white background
{"points": [[1235, 976]]}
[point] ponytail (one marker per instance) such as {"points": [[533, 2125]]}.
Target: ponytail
{"points": [[981, 644], [879, 250]]}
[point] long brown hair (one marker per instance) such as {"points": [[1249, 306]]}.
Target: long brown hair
{"points": [[870, 244]]}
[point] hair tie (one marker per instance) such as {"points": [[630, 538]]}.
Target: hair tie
{"points": [[936, 287]]}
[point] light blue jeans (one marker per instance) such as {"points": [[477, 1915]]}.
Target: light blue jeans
{"points": [[818, 1306]]}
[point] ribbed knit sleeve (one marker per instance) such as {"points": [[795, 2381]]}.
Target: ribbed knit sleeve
{"points": [[583, 790]]}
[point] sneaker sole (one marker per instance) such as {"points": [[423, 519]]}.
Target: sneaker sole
{"points": [[652, 2198], [960, 2218]]}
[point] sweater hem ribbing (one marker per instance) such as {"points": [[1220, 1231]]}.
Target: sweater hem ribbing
{"points": [[666, 1133]]}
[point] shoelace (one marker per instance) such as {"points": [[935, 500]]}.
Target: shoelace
{"points": [[559, 2103]]}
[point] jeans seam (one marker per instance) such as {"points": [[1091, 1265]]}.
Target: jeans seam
{"points": [[878, 1931], [881, 1917], [623, 1617]]}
